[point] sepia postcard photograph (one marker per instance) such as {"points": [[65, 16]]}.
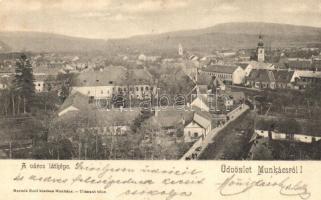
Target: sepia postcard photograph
{"points": [[161, 80]]}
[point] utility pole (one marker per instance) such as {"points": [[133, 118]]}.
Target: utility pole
{"points": [[96, 145], [86, 150], [152, 149], [10, 149], [79, 149], [58, 156]]}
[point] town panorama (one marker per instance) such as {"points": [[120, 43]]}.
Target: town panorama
{"points": [[234, 91]]}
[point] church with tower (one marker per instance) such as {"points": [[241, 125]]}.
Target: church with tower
{"points": [[260, 50]]}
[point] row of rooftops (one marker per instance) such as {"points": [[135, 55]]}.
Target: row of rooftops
{"points": [[282, 76], [277, 124], [170, 117], [226, 69], [113, 75]]}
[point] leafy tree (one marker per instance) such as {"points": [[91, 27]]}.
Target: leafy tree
{"points": [[24, 83], [289, 126], [65, 81], [313, 93]]}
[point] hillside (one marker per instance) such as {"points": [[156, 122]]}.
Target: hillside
{"points": [[46, 42], [225, 36], [221, 36]]}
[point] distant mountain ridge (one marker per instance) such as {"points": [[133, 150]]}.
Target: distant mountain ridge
{"points": [[221, 36], [227, 36], [48, 42]]}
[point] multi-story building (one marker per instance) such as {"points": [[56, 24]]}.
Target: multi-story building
{"points": [[229, 74], [115, 80]]}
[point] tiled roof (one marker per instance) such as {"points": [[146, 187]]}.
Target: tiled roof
{"points": [[260, 65], [283, 76], [227, 69], [77, 100], [305, 74], [112, 75], [261, 75], [172, 117], [201, 120]]}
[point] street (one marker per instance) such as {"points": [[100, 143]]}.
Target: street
{"points": [[232, 142]]}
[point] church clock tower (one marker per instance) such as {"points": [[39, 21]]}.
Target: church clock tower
{"points": [[260, 49]]}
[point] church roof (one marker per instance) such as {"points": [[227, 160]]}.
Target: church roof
{"points": [[261, 75], [227, 69]]}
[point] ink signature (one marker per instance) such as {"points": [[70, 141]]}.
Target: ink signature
{"points": [[234, 185]]}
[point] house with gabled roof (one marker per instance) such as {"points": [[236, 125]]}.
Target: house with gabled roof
{"points": [[200, 126], [115, 80], [261, 79], [301, 79], [171, 119], [283, 78], [230, 74], [257, 65], [276, 128], [202, 102], [75, 102]]}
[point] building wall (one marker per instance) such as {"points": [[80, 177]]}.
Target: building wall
{"points": [[99, 92], [283, 136], [3, 86], [39, 86], [222, 76], [238, 76], [191, 129], [96, 91]]}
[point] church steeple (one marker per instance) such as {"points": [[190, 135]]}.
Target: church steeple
{"points": [[260, 49]]}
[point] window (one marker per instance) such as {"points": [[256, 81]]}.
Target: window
{"points": [[102, 92], [146, 88], [137, 89], [88, 92], [142, 88], [195, 134], [289, 136], [110, 82], [39, 84]]}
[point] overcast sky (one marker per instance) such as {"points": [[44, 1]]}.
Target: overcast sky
{"points": [[122, 18]]}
